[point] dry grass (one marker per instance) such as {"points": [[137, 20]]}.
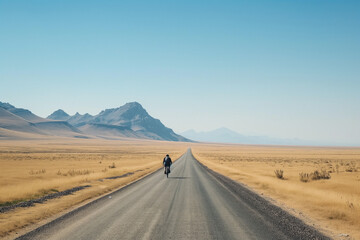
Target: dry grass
{"points": [[331, 203], [34, 168], [31, 169], [279, 173]]}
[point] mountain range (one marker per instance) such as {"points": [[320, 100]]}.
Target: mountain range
{"points": [[128, 121]]}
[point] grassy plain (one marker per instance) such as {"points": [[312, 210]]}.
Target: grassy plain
{"points": [[30, 169], [331, 204]]}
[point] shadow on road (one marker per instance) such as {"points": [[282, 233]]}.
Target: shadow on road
{"points": [[179, 177]]}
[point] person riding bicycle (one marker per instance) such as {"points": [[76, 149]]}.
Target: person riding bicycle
{"points": [[167, 162]]}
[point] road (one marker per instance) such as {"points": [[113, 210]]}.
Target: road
{"points": [[193, 203]]}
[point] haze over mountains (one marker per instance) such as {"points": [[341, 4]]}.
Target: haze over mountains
{"points": [[130, 120], [225, 135]]}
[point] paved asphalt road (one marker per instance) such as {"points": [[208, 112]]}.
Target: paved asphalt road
{"points": [[191, 204]]}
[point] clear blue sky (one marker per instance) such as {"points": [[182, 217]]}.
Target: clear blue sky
{"points": [[287, 69]]}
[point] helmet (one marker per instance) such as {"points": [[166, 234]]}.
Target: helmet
{"points": [[167, 155]]}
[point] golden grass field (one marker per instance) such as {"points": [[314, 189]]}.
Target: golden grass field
{"points": [[331, 204], [30, 169]]}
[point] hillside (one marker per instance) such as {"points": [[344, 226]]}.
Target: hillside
{"points": [[130, 120], [18, 123]]}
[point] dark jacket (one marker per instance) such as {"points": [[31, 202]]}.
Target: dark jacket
{"points": [[167, 161]]}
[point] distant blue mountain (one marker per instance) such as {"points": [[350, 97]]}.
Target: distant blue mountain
{"points": [[225, 135]]}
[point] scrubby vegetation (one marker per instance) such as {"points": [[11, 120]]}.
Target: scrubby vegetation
{"points": [[279, 173], [30, 170], [351, 167], [316, 175], [75, 172], [304, 177], [35, 172], [332, 175]]}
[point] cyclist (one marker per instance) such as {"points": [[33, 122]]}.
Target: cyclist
{"points": [[167, 162]]}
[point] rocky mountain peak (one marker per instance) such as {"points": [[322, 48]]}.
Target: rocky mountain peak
{"points": [[6, 105], [59, 115], [130, 120], [130, 105]]}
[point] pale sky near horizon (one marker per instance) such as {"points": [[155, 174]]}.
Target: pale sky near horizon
{"points": [[287, 69]]}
